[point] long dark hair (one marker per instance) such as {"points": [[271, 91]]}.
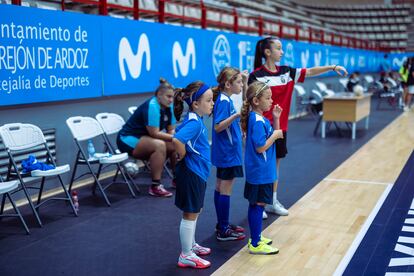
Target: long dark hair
{"points": [[180, 94], [261, 46]]}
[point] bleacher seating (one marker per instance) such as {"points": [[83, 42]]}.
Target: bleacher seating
{"points": [[379, 27]]}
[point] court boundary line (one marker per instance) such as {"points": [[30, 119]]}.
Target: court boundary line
{"points": [[357, 181], [361, 234]]}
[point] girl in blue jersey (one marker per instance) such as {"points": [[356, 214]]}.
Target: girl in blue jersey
{"points": [[193, 149], [148, 133], [259, 160], [227, 149]]}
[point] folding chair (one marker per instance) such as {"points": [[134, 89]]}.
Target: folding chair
{"points": [[83, 129], [19, 137], [302, 101], [5, 189], [324, 89], [132, 109], [112, 123]]}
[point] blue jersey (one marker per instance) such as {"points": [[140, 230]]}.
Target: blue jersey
{"points": [[226, 148], [193, 134], [150, 113], [260, 167]]}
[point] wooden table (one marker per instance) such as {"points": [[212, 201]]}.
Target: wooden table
{"points": [[346, 107]]}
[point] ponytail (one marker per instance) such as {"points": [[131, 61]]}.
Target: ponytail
{"points": [[178, 103], [244, 115], [216, 91], [258, 55]]}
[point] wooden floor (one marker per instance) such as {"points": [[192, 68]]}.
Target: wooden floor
{"points": [[323, 224]]}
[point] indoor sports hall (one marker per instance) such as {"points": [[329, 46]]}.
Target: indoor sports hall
{"points": [[79, 198]]}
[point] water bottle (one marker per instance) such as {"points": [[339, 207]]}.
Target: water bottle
{"points": [[91, 149], [75, 200]]}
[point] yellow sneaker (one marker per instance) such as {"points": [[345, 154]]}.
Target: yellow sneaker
{"points": [[262, 249], [262, 239]]}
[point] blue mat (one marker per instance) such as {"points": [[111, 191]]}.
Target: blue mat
{"points": [[382, 246]]}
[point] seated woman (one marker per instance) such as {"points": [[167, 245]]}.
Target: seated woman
{"points": [[352, 81], [148, 133]]}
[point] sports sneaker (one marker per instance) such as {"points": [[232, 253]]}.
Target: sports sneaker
{"points": [[159, 190], [193, 261], [235, 228], [262, 249], [262, 239], [406, 108], [200, 250], [229, 235], [264, 216], [277, 209]]}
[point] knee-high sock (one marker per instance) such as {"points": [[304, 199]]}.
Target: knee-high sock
{"points": [[255, 222], [194, 230], [224, 211], [186, 235], [216, 204]]}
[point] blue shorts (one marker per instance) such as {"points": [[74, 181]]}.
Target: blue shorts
{"points": [[255, 193], [230, 172], [191, 189], [127, 143]]}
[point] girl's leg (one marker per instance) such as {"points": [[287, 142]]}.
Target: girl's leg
{"points": [[216, 200], [188, 258], [277, 208], [257, 244], [155, 151]]}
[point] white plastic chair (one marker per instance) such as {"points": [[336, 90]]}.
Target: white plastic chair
{"points": [[324, 89], [344, 82], [6, 189], [132, 109], [111, 124], [83, 129], [18, 137], [302, 102]]}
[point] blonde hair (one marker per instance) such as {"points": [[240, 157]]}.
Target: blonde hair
{"points": [[227, 74], [164, 85], [255, 90]]}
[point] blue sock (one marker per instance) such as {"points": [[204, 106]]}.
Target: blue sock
{"points": [[224, 203], [216, 204], [255, 222]]}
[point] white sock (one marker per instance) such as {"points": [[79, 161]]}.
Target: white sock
{"points": [[274, 197], [186, 235], [195, 226]]}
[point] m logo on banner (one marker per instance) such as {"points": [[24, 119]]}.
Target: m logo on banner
{"points": [[133, 61], [183, 61]]}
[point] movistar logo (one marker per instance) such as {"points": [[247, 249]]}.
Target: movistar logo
{"points": [[181, 60], [134, 61]]}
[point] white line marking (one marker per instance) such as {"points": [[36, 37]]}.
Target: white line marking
{"points": [[351, 251], [357, 181]]}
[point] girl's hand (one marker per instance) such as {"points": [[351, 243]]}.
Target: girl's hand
{"points": [[340, 70], [278, 134], [277, 110]]}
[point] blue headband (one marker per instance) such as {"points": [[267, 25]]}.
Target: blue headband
{"points": [[197, 95]]}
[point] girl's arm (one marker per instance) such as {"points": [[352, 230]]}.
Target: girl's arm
{"points": [[179, 148], [155, 132], [315, 71], [171, 129], [225, 123], [269, 142], [276, 112]]}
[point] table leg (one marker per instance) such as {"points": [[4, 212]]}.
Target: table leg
{"points": [[353, 130], [366, 122], [323, 129]]}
